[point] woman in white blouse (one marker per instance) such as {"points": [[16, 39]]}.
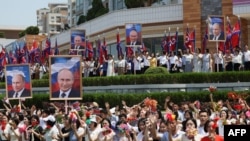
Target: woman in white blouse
{"points": [[237, 60]]}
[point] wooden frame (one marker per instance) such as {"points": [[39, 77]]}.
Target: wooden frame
{"points": [[69, 79], [219, 22], [18, 79]]}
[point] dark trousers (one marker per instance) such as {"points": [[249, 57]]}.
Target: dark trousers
{"points": [[236, 66], [216, 69], [229, 66], [247, 65]]}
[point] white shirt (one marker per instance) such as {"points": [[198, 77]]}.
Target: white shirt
{"points": [[146, 61], [67, 93], [137, 63], [247, 56], [218, 58], [121, 63], [237, 59], [19, 93], [51, 133]]}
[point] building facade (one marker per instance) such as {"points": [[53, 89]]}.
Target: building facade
{"points": [[156, 20], [173, 15]]}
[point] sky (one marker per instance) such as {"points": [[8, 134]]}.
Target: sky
{"points": [[22, 12]]}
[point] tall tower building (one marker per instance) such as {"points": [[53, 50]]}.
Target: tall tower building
{"points": [[41, 19]]}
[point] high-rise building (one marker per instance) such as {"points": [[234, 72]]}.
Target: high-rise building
{"points": [[52, 21], [41, 19]]}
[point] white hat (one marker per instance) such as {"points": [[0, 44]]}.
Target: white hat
{"points": [[93, 118], [112, 110], [50, 118]]}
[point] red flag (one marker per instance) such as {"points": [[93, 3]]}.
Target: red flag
{"points": [[118, 45], [34, 45], [100, 52], [190, 40], [235, 38], [227, 44], [89, 50], [168, 43], [164, 43], [173, 42], [221, 46]]}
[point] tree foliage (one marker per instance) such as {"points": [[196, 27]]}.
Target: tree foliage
{"points": [[81, 20], [1, 35], [97, 10], [134, 3], [22, 33], [32, 30], [139, 3]]}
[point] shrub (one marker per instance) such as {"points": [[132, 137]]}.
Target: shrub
{"points": [[156, 70]]}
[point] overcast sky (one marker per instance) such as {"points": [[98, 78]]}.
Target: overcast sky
{"points": [[22, 12]]}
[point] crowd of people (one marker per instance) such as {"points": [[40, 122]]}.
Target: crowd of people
{"points": [[144, 121], [182, 61]]}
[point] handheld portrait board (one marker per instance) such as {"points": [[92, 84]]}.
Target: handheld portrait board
{"points": [[18, 81], [65, 77]]}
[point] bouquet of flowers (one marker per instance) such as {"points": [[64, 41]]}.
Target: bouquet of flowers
{"points": [[170, 117], [151, 103], [123, 128], [72, 115], [232, 95], [212, 89]]}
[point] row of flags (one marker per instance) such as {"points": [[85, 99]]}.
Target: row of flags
{"points": [[20, 54], [170, 43]]}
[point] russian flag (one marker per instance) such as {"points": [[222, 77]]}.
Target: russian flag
{"points": [[72, 63]]}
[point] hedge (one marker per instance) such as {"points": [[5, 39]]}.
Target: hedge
{"points": [[134, 98], [176, 78]]}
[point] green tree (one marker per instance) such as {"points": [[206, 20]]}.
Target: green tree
{"points": [[1, 35], [22, 33], [97, 10], [138, 3], [32, 30], [134, 3], [81, 19]]}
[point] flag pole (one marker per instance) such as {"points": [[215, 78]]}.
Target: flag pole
{"points": [[176, 40], [66, 106], [217, 50]]}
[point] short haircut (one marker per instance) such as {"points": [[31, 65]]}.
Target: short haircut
{"points": [[65, 69], [19, 74]]}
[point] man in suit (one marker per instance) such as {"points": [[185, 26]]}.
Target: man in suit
{"points": [[77, 48], [133, 38], [18, 85], [218, 34], [65, 80]]}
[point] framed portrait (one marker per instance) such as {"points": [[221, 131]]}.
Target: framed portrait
{"points": [[133, 35], [77, 42], [216, 28], [65, 77], [18, 81]]}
